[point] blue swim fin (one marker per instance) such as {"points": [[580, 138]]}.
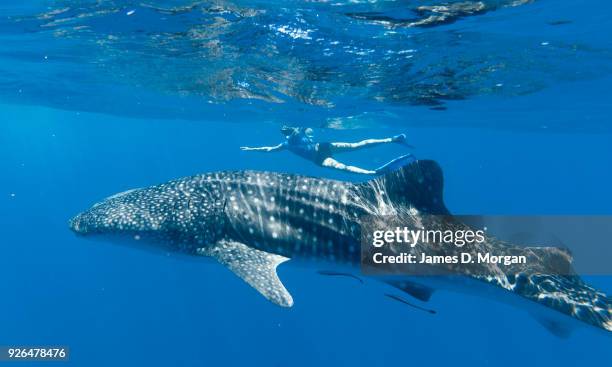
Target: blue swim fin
{"points": [[401, 139], [396, 164]]}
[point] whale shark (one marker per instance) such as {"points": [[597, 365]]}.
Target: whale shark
{"points": [[253, 221]]}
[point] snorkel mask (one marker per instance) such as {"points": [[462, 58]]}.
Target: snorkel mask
{"points": [[290, 131]]}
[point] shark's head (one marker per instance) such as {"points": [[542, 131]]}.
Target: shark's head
{"points": [[178, 216], [123, 214]]}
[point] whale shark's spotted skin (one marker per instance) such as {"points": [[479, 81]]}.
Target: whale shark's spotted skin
{"points": [[282, 213], [274, 213], [175, 215], [253, 221]]}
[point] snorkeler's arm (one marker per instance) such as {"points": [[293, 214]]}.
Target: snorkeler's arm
{"points": [[275, 148]]}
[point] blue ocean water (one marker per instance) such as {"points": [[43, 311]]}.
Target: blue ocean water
{"points": [[510, 97]]}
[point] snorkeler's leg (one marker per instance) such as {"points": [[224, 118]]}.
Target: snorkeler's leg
{"points": [[340, 147], [332, 163], [396, 164]]}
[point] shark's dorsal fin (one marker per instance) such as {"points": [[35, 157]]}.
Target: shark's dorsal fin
{"points": [[419, 184], [256, 267]]}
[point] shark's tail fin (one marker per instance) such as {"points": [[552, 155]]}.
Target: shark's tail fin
{"points": [[418, 184]]}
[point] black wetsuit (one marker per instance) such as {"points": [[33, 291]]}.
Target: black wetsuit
{"points": [[303, 146]]}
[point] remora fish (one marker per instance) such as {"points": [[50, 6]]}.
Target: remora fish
{"points": [[253, 221]]}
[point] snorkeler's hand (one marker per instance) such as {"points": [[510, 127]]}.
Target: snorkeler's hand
{"points": [[264, 149], [258, 149]]}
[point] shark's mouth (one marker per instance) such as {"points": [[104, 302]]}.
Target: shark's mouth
{"points": [[75, 225]]}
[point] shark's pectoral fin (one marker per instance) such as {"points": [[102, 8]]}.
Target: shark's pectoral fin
{"points": [[256, 267]]}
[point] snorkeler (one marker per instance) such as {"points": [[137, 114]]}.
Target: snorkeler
{"points": [[300, 141]]}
